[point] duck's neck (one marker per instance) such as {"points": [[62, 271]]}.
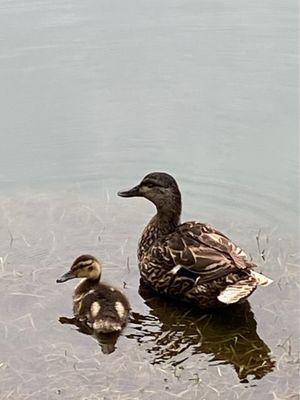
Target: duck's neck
{"points": [[86, 284], [164, 222]]}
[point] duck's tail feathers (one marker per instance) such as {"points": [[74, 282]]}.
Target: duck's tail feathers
{"points": [[240, 290], [237, 292], [261, 279], [106, 326]]}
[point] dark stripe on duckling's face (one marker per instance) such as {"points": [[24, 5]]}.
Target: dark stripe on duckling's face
{"points": [[84, 258], [83, 267]]}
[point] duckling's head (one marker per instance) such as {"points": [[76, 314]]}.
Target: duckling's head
{"points": [[85, 266], [158, 187]]}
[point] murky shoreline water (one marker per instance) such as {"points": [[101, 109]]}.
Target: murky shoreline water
{"points": [[170, 350]]}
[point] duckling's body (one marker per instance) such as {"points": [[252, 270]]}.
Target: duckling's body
{"points": [[101, 307], [191, 261]]}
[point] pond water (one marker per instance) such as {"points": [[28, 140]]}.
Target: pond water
{"points": [[93, 96]]}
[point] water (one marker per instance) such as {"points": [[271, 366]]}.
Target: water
{"points": [[93, 96]]}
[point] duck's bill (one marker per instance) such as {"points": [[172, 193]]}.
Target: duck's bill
{"points": [[134, 192], [66, 277]]}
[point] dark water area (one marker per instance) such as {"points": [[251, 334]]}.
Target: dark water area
{"points": [[93, 96]]}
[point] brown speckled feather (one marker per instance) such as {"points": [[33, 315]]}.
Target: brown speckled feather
{"points": [[201, 250]]}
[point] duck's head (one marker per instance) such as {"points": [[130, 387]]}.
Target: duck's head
{"points": [[158, 187], [85, 266]]}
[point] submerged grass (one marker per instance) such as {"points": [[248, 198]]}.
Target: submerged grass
{"points": [[167, 350]]}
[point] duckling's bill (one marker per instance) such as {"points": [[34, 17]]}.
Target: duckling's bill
{"points": [[66, 277]]}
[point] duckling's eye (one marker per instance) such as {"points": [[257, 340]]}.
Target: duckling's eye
{"points": [[90, 268]]}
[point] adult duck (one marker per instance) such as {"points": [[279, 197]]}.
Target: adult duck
{"points": [[192, 262]]}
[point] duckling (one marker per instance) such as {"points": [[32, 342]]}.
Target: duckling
{"points": [[192, 262], [101, 307]]}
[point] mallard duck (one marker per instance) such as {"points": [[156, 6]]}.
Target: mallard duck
{"points": [[101, 307], [192, 261]]}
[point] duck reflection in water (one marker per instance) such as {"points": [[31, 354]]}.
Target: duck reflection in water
{"points": [[175, 332], [107, 341]]}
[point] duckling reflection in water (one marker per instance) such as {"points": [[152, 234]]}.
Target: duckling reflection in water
{"points": [[172, 332], [99, 309], [107, 342]]}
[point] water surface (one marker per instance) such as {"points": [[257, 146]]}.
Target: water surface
{"points": [[96, 94]]}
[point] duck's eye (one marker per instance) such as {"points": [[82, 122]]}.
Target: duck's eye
{"points": [[90, 268], [150, 185]]}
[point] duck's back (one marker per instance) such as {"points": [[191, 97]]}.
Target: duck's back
{"points": [[197, 263], [102, 307]]}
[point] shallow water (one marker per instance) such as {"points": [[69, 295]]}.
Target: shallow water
{"points": [[96, 94]]}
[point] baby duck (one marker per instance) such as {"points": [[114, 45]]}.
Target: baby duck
{"points": [[101, 307]]}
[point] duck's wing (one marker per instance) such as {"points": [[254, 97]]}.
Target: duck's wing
{"points": [[196, 250], [214, 239]]}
